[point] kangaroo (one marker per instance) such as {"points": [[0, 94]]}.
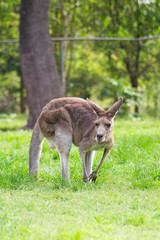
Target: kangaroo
{"points": [[70, 120]]}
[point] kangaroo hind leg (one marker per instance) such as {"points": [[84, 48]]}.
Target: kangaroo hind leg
{"points": [[63, 143], [88, 165], [89, 161]]}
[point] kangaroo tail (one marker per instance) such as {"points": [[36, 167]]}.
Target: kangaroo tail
{"points": [[35, 150]]}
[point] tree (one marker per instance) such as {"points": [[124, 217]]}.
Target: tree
{"points": [[103, 70], [11, 87], [63, 23], [122, 18], [38, 65]]}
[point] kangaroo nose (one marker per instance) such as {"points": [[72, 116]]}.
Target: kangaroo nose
{"points": [[99, 137]]}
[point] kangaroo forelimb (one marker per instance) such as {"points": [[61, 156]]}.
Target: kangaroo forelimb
{"points": [[93, 175]]}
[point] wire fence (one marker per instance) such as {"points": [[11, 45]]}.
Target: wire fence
{"points": [[82, 63]]}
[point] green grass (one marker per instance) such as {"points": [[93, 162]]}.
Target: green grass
{"points": [[12, 121], [124, 203]]}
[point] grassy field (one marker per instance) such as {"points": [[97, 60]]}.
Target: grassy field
{"points": [[12, 121], [124, 203]]}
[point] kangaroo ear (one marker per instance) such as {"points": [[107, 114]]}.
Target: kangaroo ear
{"points": [[111, 112], [95, 107]]}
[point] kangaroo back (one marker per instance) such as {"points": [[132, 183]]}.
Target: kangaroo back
{"points": [[35, 150]]}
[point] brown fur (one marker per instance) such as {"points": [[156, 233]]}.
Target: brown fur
{"points": [[67, 120]]}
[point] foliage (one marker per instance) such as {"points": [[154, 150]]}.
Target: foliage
{"points": [[136, 19], [129, 60], [90, 66], [9, 24], [10, 74], [85, 70], [122, 204], [10, 84]]}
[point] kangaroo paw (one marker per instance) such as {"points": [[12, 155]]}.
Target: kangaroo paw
{"points": [[93, 176]]}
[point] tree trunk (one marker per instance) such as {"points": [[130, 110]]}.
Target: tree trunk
{"points": [[134, 83], [38, 65], [22, 98], [133, 75]]}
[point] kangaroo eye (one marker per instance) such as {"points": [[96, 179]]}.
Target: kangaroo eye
{"points": [[97, 124], [107, 125]]}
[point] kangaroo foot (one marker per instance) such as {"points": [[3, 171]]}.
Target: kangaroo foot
{"points": [[93, 176]]}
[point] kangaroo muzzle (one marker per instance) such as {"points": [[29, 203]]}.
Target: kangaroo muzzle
{"points": [[99, 137]]}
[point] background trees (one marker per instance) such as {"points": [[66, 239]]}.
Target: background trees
{"points": [[100, 70], [122, 67]]}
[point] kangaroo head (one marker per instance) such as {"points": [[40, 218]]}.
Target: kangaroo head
{"points": [[104, 121]]}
